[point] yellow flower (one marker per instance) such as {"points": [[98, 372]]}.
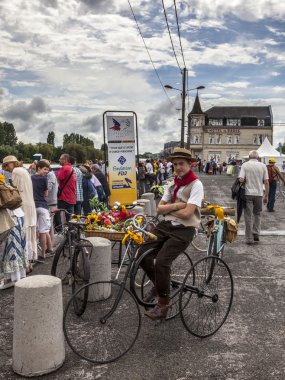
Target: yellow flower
{"points": [[93, 218], [219, 212], [137, 238]]}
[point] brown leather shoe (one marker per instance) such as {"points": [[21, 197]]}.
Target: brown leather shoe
{"points": [[151, 296], [156, 313]]}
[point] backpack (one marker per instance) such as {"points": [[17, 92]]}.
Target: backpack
{"points": [[141, 172], [236, 186], [9, 197]]}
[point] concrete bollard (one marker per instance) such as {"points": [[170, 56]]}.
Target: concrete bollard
{"points": [[145, 203], [100, 268], [150, 196], [38, 340]]}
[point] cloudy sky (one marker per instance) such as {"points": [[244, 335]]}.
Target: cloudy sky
{"points": [[63, 63]]}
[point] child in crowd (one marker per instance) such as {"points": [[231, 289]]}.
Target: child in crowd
{"points": [[40, 190]]}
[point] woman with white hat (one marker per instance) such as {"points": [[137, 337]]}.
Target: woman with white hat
{"points": [[22, 180]]}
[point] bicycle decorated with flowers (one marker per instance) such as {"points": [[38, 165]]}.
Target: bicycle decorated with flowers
{"points": [[112, 318]]}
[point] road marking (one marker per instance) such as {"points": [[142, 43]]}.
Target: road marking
{"points": [[260, 277], [266, 233]]}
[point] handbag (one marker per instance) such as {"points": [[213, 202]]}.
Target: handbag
{"points": [[60, 189], [9, 197]]}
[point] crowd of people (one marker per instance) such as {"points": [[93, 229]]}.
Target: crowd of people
{"points": [[29, 227], [153, 172]]}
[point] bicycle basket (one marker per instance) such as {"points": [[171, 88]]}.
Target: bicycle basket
{"points": [[231, 229]]}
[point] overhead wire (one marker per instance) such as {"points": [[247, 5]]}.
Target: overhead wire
{"points": [[166, 19], [156, 72], [178, 29]]}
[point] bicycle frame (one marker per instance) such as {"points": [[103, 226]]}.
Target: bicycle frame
{"points": [[218, 230]]}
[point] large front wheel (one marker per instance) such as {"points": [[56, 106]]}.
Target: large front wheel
{"points": [[205, 304], [109, 326]]}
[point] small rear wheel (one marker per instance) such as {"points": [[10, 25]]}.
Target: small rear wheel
{"points": [[111, 322], [205, 305], [80, 275]]}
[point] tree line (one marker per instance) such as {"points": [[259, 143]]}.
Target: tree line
{"points": [[78, 146]]}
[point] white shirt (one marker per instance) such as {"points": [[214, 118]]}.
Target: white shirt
{"points": [[149, 168], [196, 196], [254, 173]]}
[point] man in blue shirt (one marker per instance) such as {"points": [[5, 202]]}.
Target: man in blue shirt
{"points": [[40, 190]]}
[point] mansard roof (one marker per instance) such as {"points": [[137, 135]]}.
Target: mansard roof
{"points": [[236, 112], [197, 110]]}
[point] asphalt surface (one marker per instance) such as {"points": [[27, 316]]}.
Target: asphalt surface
{"points": [[250, 344]]}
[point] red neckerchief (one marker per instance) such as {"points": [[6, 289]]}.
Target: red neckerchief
{"points": [[188, 178]]}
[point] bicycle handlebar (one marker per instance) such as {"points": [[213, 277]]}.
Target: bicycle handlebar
{"points": [[227, 211], [149, 234]]}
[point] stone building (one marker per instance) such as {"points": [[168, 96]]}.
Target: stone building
{"points": [[224, 133]]}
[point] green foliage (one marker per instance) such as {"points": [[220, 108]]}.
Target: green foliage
{"points": [[6, 150], [75, 138], [27, 151], [7, 134], [50, 138], [46, 150], [82, 148]]}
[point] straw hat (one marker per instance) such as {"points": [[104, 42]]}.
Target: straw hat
{"points": [[182, 153], [8, 159]]}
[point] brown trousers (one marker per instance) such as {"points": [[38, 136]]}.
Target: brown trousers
{"points": [[171, 241]]}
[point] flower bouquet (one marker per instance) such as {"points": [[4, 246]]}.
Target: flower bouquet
{"points": [[108, 224]]}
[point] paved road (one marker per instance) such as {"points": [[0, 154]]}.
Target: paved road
{"points": [[250, 345]]}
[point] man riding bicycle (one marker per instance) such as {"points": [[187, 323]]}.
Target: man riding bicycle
{"points": [[180, 205]]}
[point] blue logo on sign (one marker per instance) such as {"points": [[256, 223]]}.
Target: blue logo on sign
{"points": [[122, 160]]}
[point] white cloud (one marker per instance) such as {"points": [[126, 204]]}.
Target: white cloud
{"points": [[82, 57], [250, 10]]}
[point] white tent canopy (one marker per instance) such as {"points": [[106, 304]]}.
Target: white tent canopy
{"points": [[266, 150]]}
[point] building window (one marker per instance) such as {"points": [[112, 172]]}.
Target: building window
{"points": [[216, 156], [233, 122], [196, 122], [214, 122], [196, 139], [218, 139], [237, 139], [232, 156], [211, 139], [260, 123], [229, 139], [255, 140]]}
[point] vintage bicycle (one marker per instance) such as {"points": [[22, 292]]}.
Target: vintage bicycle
{"points": [[112, 318]]}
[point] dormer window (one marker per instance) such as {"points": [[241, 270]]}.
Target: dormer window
{"points": [[260, 123], [233, 122], [216, 122]]}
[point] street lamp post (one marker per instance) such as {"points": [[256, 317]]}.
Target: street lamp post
{"points": [[183, 98]]}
